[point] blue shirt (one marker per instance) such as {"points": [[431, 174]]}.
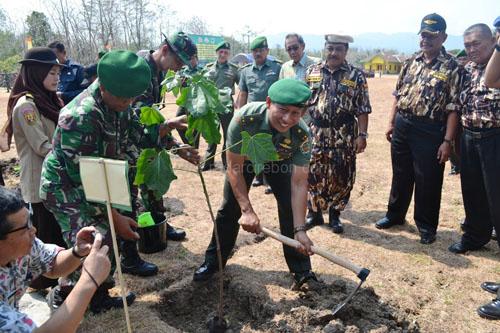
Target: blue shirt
{"points": [[70, 81]]}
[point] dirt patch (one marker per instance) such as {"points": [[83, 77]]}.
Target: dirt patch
{"points": [[189, 306], [10, 172]]}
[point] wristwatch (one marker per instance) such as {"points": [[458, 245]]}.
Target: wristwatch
{"points": [[364, 135]]}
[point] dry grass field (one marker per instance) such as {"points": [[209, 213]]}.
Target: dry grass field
{"points": [[412, 287]]}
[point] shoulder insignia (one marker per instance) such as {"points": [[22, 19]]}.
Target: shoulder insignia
{"points": [[305, 147], [30, 96], [29, 114]]}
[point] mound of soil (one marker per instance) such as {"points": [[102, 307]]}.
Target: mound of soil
{"points": [[248, 307]]}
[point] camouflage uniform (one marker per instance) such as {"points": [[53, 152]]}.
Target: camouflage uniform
{"points": [[87, 128], [223, 75], [338, 97], [425, 94], [480, 162]]}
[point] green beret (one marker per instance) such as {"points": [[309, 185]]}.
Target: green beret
{"points": [[289, 92], [183, 46], [123, 73], [223, 45], [258, 43]]}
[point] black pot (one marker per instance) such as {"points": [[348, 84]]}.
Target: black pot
{"points": [[153, 238]]}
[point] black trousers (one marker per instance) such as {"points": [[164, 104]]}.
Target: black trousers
{"points": [[480, 178], [225, 119], [414, 148], [2, 183], [279, 177]]}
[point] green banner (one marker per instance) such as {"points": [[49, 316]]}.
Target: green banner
{"points": [[206, 45]]}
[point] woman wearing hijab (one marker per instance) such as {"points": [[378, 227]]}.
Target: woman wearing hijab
{"points": [[33, 110]]}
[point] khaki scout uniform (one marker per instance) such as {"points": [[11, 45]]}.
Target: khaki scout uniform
{"points": [[293, 149], [338, 97]]}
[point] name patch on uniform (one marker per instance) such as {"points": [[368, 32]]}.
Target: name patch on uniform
{"points": [[440, 76], [349, 83]]}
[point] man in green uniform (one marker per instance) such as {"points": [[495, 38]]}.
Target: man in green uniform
{"points": [[99, 123], [173, 53], [339, 109], [255, 80], [280, 115], [225, 75]]}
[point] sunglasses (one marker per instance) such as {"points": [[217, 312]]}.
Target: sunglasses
{"points": [[292, 48], [27, 226]]}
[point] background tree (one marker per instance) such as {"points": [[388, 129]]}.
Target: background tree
{"points": [[39, 28]]}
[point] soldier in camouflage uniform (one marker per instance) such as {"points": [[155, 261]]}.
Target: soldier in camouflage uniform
{"points": [[98, 123], [421, 128], [172, 54], [255, 80], [279, 116], [225, 75], [338, 106]]}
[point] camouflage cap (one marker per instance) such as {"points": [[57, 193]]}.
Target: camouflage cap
{"points": [[117, 67], [289, 92], [433, 23], [223, 45], [341, 39], [183, 46], [259, 43]]}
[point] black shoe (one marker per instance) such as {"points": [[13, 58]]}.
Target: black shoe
{"points": [[460, 248], [139, 267], [314, 218], [268, 190], [385, 223], [205, 272], [454, 171], [427, 238], [490, 287], [57, 296], [102, 301], [462, 225], [303, 277], [490, 310], [208, 166], [494, 234], [175, 234], [334, 221]]}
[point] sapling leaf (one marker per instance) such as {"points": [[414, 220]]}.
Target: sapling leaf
{"points": [[159, 174], [151, 116], [147, 155], [259, 149], [207, 125]]}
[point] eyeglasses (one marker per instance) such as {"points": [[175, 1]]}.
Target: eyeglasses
{"points": [[292, 48], [27, 226]]}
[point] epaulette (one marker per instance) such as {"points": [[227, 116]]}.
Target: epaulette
{"points": [[233, 65], [300, 132], [30, 96], [278, 61], [250, 119], [247, 65], [210, 64]]}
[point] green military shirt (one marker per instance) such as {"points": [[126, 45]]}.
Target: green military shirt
{"points": [[256, 81], [292, 145], [223, 75], [429, 90]]}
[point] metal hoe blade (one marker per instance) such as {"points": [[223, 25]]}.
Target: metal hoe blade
{"points": [[348, 298]]}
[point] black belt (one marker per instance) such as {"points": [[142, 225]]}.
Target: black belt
{"points": [[422, 119], [481, 133]]}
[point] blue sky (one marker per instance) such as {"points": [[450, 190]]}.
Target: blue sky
{"points": [[312, 17]]}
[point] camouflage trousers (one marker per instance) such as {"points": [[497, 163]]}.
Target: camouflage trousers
{"points": [[73, 212], [332, 172]]}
